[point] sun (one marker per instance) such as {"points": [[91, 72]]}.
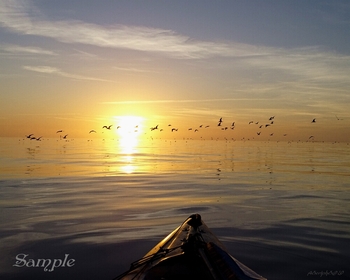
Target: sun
{"points": [[129, 129]]}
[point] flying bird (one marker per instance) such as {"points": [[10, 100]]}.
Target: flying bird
{"points": [[338, 118], [220, 121], [29, 136], [154, 128], [313, 121], [59, 131], [174, 129], [91, 131], [107, 127]]}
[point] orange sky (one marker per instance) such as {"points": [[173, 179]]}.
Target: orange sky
{"points": [[62, 67]]}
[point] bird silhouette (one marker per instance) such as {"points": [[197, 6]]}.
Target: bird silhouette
{"points": [[65, 136], [91, 131], [59, 131], [29, 136], [107, 127], [313, 121], [338, 118], [154, 128], [174, 129]]}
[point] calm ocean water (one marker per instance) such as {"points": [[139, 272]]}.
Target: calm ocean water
{"points": [[280, 208]]}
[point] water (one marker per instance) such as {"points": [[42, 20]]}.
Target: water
{"points": [[280, 208]]}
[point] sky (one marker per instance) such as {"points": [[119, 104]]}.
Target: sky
{"points": [[77, 66]]}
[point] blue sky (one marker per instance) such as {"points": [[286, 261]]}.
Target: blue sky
{"points": [[81, 64]]}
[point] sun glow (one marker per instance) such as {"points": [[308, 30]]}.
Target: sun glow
{"points": [[129, 129]]}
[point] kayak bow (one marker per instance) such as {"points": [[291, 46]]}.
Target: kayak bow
{"points": [[191, 251]]}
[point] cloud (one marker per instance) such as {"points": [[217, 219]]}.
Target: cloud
{"points": [[56, 71], [42, 69], [17, 49], [301, 67], [16, 16], [175, 101]]}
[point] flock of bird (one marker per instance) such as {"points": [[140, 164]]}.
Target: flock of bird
{"points": [[220, 124]]}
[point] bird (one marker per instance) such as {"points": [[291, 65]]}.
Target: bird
{"points": [[313, 121], [91, 131], [271, 118], [107, 127], [258, 132], [59, 131], [65, 136], [220, 121], [38, 139], [174, 129], [29, 136], [154, 128], [266, 125], [250, 122], [338, 118], [196, 130]]}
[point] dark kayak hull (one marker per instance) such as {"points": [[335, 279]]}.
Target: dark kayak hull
{"points": [[191, 251]]}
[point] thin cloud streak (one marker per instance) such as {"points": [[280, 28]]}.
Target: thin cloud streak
{"points": [[16, 49], [53, 70], [176, 101]]}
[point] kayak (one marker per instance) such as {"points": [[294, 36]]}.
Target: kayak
{"points": [[191, 251]]}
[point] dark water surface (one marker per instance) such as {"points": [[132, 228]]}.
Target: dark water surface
{"points": [[280, 208]]}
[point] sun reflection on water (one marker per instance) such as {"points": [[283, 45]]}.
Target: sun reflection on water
{"points": [[129, 129]]}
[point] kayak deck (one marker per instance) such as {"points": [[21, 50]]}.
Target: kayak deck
{"points": [[191, 251]]}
